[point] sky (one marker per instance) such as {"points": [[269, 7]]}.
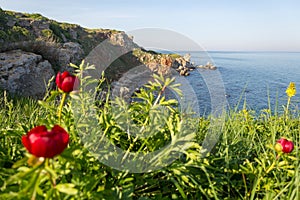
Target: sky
{"points": [[216, 25]]}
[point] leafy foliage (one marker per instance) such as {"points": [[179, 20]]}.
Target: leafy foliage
{"points": [[243, 164], [59, 31]]}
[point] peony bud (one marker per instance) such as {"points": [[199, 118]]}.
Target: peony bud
{"points": [[66, 82], [284, 145]]}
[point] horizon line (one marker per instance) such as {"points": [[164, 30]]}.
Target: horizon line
{"points": [[234, 51]]}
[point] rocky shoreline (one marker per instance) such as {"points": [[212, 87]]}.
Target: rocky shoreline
{"points": [[34, 48]]}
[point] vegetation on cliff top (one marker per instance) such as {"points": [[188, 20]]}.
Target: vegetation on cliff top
{"points": [[12, 30]]}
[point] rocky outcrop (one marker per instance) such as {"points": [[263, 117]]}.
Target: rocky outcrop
{"points": [[59, 55], [162, 63], [183, 65], [123, 40], [24, 73], [208, 65], [31, 43], [70, 52]]}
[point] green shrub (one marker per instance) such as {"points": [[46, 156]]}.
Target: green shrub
{"points": [[47, 33], [59, 29], [3, 35], [18, 33], [174, 55], [56, 29], [3, 19], [35, 16]]}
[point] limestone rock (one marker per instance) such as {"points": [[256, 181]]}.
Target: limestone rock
{"points": [[209, 66], [26, 23], [25, 74], [70, 53], [166, 61], [38, 26], [123, 40], [183, 65], [73, 34]]}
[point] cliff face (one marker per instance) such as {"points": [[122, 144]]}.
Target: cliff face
{"points": [[35, 36], [51, 39]]}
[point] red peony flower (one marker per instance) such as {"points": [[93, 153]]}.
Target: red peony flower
{"points": [[66, 82], [284, 145], [46, 143]]}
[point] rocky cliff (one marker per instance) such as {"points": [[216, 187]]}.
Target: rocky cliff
{"points": [[33, 48]]}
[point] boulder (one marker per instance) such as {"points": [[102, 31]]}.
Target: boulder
{"points": [[69, 53], [123, 40], [183, 71], [208, 65], [25, 74]]}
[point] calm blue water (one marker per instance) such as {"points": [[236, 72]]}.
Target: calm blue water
{"points": [[249, 76]]}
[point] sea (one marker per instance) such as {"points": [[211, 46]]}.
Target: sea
{"points": [[243, 80]]}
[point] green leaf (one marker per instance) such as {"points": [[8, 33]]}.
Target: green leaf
{"points": [[20, 163], [51, 172], [53, 95], [67, 188], [45, 105], [23, 174], [74, 96]]}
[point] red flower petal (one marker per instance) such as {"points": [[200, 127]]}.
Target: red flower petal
{"points": [[39, 145], [287, 146], [37, 129], [64, 135], [58, 80], [66, 82], [43, 143], [26, 142], [65, 74]]}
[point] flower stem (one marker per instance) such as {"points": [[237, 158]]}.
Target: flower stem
{"points": [[288, 104], [36, 184], [61, 106], [49, 169], [287, 108], [47, 162], [273, 164], [159, 95], [271, 167]]}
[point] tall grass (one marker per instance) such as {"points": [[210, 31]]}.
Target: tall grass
{"points": [[242, 165]]}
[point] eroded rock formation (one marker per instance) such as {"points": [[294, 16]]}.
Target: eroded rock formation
{"points": [[23, 73]]}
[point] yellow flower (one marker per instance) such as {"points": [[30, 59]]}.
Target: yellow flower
{"points": [[291, 90]]}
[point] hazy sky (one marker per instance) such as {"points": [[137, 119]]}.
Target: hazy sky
{"points": [[214, 24]]}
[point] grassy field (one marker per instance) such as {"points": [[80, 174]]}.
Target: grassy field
{"points": [[242, 165]]}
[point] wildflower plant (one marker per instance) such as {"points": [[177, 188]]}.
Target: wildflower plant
{"points": [[44, 142], [48, 172], [290, 92], [145, 135]]}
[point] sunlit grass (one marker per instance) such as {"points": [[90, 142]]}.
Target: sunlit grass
{"points": [[242, 165]]}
